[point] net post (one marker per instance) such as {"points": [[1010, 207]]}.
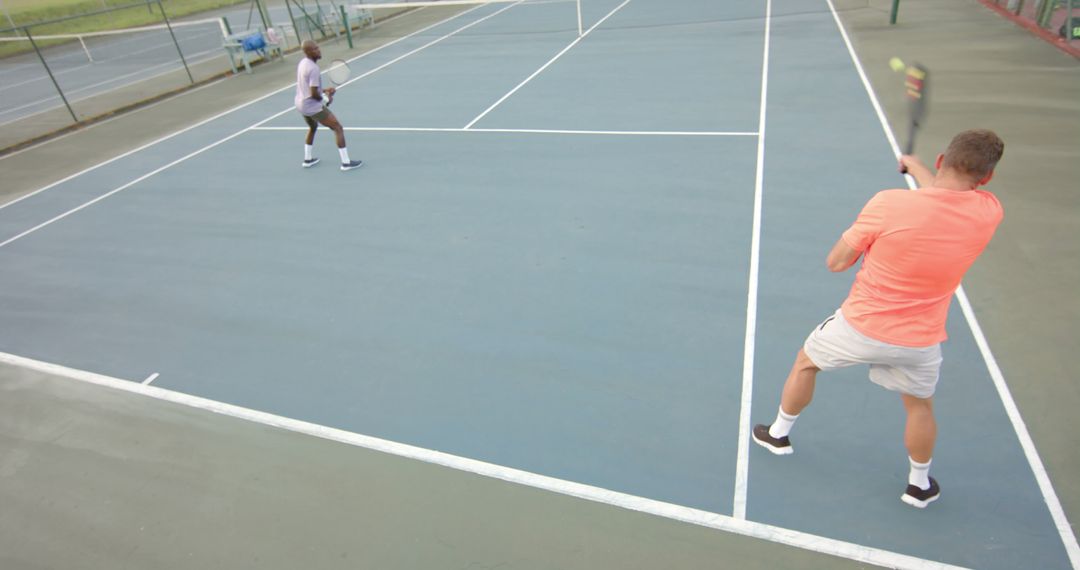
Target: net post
{"points": [[894, 12], [580, 32], [175, 42], [348, 26], [51, 76]]}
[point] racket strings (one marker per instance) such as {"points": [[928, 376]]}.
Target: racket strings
{"points": [[338, 72]]}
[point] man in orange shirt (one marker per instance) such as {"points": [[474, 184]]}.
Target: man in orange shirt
{"points": [[916, 247]]}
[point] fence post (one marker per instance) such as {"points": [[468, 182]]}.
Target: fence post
{"points": [[296, 29], [177, 43], [348, 26], [895, 10], [49, 71], [264, 15]]}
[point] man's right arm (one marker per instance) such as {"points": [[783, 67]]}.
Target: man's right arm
{"points": [[919, 171], [858, 238]]}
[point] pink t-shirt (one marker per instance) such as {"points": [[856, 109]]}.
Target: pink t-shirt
{"points": [[307, 76], [916, 247]]}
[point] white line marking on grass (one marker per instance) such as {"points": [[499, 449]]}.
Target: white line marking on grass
{"points": [[742, 462], [531, 131], [150, 379], [545, 66], [698, 517], [1057, 513]]}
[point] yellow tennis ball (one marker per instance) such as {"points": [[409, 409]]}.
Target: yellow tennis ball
{"points": [[897, 64]]}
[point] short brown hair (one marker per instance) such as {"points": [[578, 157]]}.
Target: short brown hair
{"points": [[974, 153]]}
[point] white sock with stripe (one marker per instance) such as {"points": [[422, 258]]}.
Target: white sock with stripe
{"points": [[782, 425], [344, 152]]}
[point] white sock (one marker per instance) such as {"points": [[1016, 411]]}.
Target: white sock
{"points": [[344, 152], [307, 152], [919, 474], [782, 426]]}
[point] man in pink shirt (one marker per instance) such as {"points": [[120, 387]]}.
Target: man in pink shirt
{"points": [[916, 247], [309, 102]]}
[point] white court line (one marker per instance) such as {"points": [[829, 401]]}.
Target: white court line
{"points": [[291, 85], [60, 72], [1057, 513], [244, 130], [531, 131], [694, 516], [175, 66], [113, 118], [123, 187], [545, 66], [150, 379], [742, 462], [698, 517]]}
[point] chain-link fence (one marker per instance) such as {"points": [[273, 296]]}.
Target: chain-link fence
{"points": [[1057, 21], [73, 70]]}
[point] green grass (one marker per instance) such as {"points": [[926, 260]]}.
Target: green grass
{"points": [[25, 12]]}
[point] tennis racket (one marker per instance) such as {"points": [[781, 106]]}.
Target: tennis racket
{"points": [[915, 83], [338, 72]]}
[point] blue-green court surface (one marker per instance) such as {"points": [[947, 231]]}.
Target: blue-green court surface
{"points": [[583, 263]]}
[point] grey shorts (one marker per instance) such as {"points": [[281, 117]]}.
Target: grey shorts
{"points": [[320, 116], [909, 370]]}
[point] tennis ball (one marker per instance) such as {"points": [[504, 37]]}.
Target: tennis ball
{"points": [[897, 64]]}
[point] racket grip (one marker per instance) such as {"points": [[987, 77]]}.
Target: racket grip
{"points": [[909, 148]]}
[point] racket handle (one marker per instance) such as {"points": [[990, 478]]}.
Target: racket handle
{"points": [[909, 146]]}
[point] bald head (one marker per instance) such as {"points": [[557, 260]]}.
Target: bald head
{"points": [[311, 50]]}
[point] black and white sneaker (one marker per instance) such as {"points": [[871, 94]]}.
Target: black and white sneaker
{"points": [[309, 162], [919, 498], [777, 445], [351, 165]]}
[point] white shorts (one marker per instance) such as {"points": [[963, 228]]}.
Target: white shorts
{"points": [[909, 370]]}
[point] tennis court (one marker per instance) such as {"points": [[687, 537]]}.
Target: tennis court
{"points": [[579, 262]]}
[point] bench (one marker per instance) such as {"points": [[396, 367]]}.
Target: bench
{"points": [[236, 45], [365, 17]]}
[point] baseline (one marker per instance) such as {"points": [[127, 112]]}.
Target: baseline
{"points": [[698, 517], [530, 131]]}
